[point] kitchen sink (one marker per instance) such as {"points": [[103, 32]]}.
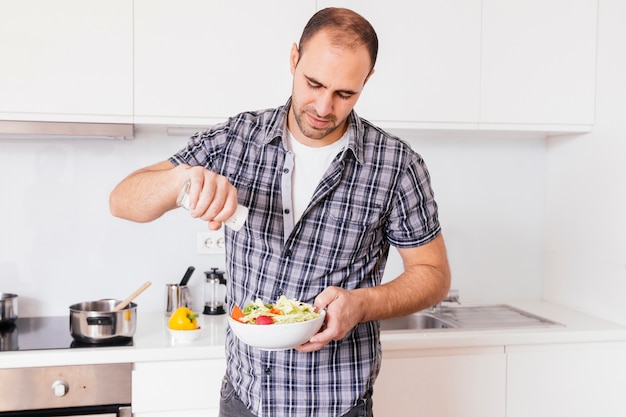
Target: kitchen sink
{"points": [[417, 321], [495, 316]]}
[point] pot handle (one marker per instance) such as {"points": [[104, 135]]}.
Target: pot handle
{"points": [[99, 321]]}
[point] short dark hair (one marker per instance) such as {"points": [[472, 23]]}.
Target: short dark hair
{"points": [[347, 28]]}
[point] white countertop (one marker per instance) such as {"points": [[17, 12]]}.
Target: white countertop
{"points": [[577, 328], [152, 342]]}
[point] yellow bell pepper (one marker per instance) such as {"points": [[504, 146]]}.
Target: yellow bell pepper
{"points": [[183, 319]]}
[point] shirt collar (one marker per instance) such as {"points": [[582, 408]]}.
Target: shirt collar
{"points": [[277, 131], [355, 137]]}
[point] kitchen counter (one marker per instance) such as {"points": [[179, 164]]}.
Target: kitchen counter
{"points": [[577, 328], [152, 341]]}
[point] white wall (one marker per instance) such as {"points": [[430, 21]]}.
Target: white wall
{"points": [[490, 192], [586, 191], [59, 245]]}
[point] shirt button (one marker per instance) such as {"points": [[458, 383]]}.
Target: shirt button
{"points": [[286, 170], [288, 253], [286, 211], [268, 371]]}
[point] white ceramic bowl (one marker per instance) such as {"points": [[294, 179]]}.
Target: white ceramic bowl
{"points": [[185, 336], [276, 336]]}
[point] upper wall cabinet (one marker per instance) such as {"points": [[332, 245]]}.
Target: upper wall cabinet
{"points": [[523, 65], [447, 64], [428, 67], [66, 60], [538, 63], [198, 61]]}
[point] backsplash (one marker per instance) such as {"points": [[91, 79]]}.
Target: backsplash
{"points": [[59, 244]]}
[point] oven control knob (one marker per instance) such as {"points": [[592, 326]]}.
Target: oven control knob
{"points": [[60, 388]]}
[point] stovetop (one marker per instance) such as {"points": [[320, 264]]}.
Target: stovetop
{"points": [[40, 333]]}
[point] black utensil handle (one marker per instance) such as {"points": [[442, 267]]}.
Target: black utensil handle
{"points": [[187, 275]]}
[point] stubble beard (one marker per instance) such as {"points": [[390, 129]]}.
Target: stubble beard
{"points": [[309, 131]]}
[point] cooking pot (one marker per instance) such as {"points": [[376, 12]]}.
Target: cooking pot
{"points": [[8, 308], [95, 322]]}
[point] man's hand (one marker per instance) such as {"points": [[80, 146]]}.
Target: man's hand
{"points": [[343, 312], [148, 193], [211, 197], [424, 282]]}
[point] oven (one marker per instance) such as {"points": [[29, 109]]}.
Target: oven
{"points": [[76, 390], [102, 390]]}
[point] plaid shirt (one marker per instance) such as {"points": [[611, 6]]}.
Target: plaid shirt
{"points": [[375, 193]]}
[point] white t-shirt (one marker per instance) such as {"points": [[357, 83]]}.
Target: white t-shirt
{"points": [[310, 164]]}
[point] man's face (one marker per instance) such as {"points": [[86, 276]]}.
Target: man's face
{"points": [[327, 81]]}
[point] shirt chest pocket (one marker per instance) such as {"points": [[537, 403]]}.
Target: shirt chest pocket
{"points": [[354, 215], [348, 231]]}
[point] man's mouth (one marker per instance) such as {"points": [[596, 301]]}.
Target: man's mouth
{"points": [[317, 122]]}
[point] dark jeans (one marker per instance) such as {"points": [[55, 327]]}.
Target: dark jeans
{"points": [[231, 405]]}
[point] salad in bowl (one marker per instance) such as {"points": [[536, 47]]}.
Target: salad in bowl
{"points": [[278, 326]]}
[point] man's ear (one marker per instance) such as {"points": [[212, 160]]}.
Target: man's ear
{"points": [[368, 76], [294, 56]]}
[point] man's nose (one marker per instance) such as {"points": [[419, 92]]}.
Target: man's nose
{"points": [[324, 104]]}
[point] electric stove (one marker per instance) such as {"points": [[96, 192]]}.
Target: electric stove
{"points": [[40, 333]]}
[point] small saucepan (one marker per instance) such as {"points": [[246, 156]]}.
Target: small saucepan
{"points": [[95, 322], [105, 321], [8, 308]]}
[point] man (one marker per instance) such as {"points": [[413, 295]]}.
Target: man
{"points": [[327, 194]]}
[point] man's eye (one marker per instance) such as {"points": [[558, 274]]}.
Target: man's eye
{"points": [[344, 96]]}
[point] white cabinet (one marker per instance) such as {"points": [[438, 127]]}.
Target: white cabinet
{"points": [[199, 61], [569, 379], [447, 64], [456, 382], [428, 66], [177, 388], [525, 65], [574, 380], [66, 60], [538, 62]]}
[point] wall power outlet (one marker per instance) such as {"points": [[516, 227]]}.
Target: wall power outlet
{"points": [[211, 241]]}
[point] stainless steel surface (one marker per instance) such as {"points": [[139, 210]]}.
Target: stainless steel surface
{"points": [[417, 321], [452, 297], [65, 386], [176, 296], [8, 308], [28, 129], [495, 316], [8, 337], [95, 322]]}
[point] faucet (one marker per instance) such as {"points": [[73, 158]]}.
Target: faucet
{"points": [[452, 297]]}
